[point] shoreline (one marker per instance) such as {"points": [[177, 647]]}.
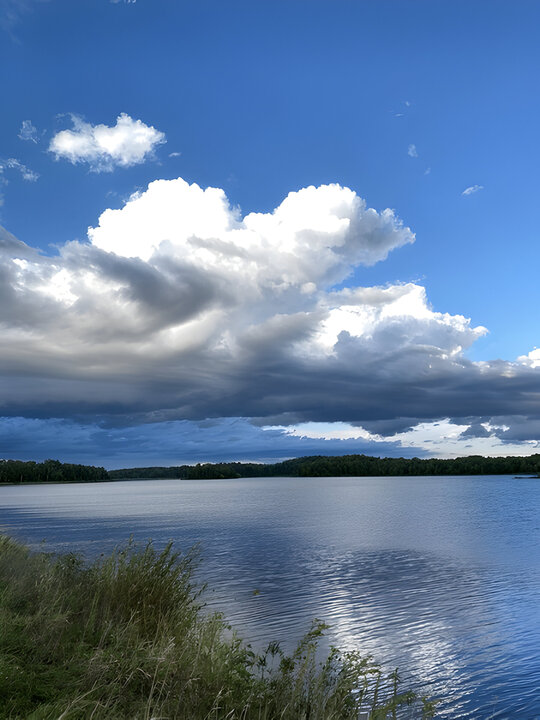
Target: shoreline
{"points": [[125, 636]]}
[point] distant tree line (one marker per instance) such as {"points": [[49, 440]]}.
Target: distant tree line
{"points": [[200, 471], [343, 465], [17, 471]]}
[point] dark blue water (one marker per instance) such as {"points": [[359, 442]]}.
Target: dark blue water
{"points": [[438, 576]]}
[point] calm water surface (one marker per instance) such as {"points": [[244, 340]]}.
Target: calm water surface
{"points": [[438, 576]]}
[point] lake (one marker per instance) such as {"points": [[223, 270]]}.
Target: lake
{"points": [[439, 576]]}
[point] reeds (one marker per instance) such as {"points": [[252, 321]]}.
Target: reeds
{"points": [[126, 637]]}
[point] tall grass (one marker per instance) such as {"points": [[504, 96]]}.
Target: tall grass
{"points": [[125, 637]]}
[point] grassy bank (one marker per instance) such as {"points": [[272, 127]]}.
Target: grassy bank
{"points": [[126, 637]]}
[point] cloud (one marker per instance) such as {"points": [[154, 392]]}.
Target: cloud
{"points": [[406, 105], [476, 430], [11, 12], [532, 359], [176, 442], [14, 164], [28, 131], [518, 428], [412, 151], [11, 247], [445, 438], [440, 438], [472, 189], [174, 154], [164, 443], [180, 308], [129, 142]]}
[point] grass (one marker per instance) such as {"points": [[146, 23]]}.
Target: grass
{"points": [[126, 637]]}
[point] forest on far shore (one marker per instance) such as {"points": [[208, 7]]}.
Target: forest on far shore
{"points": [[18, 471], [343, 465]]}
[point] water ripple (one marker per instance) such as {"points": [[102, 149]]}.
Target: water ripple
{"points": [[438, 576]]}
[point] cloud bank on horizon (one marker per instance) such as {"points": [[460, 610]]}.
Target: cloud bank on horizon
{"points": [[179, 311]]}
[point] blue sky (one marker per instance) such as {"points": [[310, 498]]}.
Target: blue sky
{"points": [[426, 108]]}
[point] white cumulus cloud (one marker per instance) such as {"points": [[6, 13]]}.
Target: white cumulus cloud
{"points": [[102, 147], [315, 234], [181, 308], [412, 151], [532, 359]]}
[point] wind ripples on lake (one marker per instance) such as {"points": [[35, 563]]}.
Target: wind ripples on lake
{"points": [[437, 576]]}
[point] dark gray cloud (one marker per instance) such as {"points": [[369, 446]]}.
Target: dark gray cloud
{"points": [[167, 443], [387, 427], [476, 431], [517, 428], [179, 309], [11, 247]]}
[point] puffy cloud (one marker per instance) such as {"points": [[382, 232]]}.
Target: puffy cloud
{"points": [[28, 131], [393, 317], [412, 151], [129, 142], [315, 237], [532, 359], [472, 189], [180, 308]]}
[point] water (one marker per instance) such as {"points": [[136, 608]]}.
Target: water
{"points": [[438, 576]]}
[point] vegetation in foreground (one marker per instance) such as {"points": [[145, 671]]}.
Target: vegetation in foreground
{"points": [[126, 637]]}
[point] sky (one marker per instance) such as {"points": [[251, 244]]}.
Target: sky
{"points": [[260, 230]]}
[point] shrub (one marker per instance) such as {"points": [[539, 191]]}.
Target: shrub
{"points": [[126, 637]]}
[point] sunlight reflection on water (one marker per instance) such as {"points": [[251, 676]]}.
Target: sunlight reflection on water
{"points": [[438, 576]]}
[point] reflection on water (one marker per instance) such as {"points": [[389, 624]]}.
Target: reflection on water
{"points": [[438, 576]]}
